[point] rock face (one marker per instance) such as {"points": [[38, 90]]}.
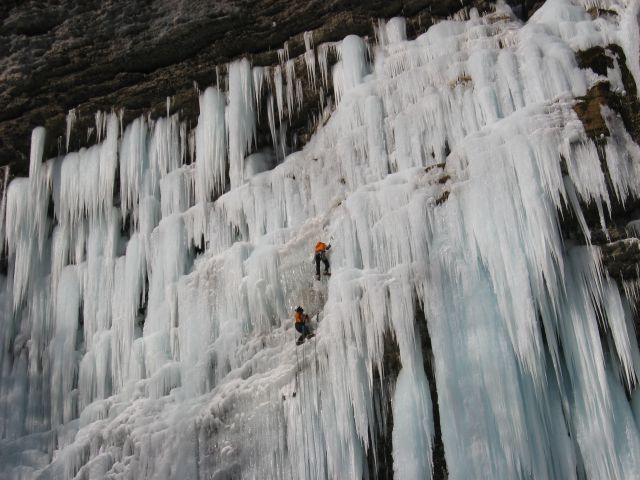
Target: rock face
{"points": [[620, 244], [97, 55]]}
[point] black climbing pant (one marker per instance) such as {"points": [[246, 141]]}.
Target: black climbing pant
{"points": [[302, 328], [321, 257]]}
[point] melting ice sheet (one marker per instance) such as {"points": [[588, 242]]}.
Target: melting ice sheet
{"points": [[152, 337]]}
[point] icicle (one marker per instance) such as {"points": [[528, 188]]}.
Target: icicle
{"points": [[241, 120], [87, 178], [272, 122], [176, 192], [277, 80], [129, 289], [283, 54], [210, 146], [322, 61], [18, 234], [39, 185], [412, 427], [352, 67], [374, 119], [299, 95], [259, 75], [308, 40], [619, 320], [282, 141], [37, 150], [120, 119], [164, 153], [290, 73], [26, 218], [310, 59], [396, 30], [108, 163], [71, 118], [133, 161], [168, 261], [100, 124], [64, 356]]}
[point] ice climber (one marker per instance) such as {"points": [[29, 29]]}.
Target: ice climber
{"points": [[302, 325], [321, 256]]}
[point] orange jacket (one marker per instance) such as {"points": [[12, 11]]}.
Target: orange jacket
{"points": [[321, 247], [300, 317]]}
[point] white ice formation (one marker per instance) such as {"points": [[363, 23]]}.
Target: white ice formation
{"points": [[146, 331]]}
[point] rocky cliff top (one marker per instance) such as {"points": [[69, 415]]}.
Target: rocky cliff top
{"points": [[133, 54]]}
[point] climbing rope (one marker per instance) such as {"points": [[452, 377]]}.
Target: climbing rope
{"points": [[295, 388], [305, 442], [315, 352]]}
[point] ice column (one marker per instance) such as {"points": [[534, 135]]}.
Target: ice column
{"points": [[241, 120], [133, 162], [211, 146], [26, 218], [352, 67]]}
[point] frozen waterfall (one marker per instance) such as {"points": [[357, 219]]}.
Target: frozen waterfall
{"points": [[146, 324]]}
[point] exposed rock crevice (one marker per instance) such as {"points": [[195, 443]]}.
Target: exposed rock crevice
{"points": [[620, 245]]}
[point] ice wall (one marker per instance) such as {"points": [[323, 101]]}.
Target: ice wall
{"points": [[146, 328]]}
